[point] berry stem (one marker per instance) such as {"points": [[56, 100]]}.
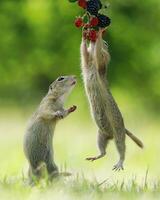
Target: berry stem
{"points": [[88, 15], [85, 14]]}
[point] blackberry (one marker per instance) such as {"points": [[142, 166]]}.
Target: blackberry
{"points": [[104, 21], [93, 6], [100, 4]]}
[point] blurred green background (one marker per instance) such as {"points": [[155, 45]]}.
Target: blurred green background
{"points": [[38, 42]]}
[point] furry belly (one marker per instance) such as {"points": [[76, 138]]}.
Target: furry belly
{"points": [[104, 109], [99, 115], [98, 108]]}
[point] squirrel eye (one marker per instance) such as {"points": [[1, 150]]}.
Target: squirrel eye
{"points": [[60, 79], [50, 87]]}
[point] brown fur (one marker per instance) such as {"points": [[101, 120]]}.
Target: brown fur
{"points": [[39, 134], [105, 111]]}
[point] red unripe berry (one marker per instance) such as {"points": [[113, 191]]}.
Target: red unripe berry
{"points": [[94, 21], [78, 22], [92, 35], [82, 3]]}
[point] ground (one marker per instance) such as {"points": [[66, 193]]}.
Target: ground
{"points": [[74, 140]]}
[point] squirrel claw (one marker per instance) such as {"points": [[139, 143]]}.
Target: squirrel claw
{"points": [[118, 166], [91, 159], [72, 109]]}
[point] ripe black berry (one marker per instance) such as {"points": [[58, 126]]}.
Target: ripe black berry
{"points": [[104, 21], [100, 4], [93, 6]]}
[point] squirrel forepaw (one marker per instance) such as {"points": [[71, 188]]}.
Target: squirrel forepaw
{"points": [[59, 115]]}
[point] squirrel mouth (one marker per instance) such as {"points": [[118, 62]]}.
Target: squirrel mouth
{"points": [[73, 83]]}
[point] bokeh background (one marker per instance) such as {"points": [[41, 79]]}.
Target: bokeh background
{"points": [[38, 42]]}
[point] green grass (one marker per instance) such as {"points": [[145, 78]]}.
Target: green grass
{"points": [[74, 140], [77, 187]]}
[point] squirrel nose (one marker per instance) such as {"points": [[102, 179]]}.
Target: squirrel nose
{"points": [[74, 77]]}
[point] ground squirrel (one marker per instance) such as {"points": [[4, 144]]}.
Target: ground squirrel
{"points": [[105, 112], [39, 134]]}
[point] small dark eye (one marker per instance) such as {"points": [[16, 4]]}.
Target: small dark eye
{"points": [[50, 87], [60, 79]]}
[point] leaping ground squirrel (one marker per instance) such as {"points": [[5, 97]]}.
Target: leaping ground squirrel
{"points": [[39, 134], [94, 61]]}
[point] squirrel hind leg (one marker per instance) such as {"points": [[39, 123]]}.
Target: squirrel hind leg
{"points": [[118, 166], [120, 144], [96, 157], [102, 141], [34, 174], [52, 169]]}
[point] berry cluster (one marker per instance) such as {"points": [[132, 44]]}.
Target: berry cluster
{"points": [[92, 20], [93, 6]]}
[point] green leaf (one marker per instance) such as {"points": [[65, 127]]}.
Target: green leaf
{"points": [[72, 1]]}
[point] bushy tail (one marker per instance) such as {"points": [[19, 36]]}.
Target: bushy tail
{"points": [[135, 139]]}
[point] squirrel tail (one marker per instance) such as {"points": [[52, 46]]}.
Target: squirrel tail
{"points": [[135, 139]]}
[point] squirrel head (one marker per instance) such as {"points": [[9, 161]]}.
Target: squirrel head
{"points": [[62, 86]]}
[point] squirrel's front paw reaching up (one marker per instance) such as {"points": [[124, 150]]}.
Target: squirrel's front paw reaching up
{"points": [[72, 109]]}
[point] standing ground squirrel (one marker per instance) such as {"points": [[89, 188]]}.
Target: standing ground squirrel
{"points": [[39, 134], [94, 61]]}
